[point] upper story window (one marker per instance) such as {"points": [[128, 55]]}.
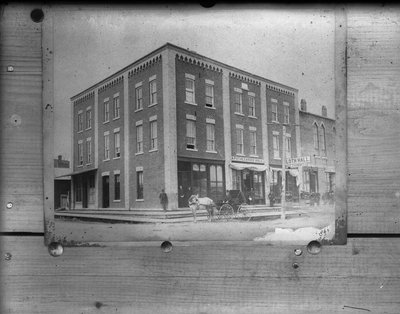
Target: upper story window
{"points": [[106, 145], [88, 150], [106, 110], [80, 152], [322, 141], [274, 110], [238, 100], [88, 118], [239, 140], [189, 88], [116, 106], [253, 141], [139, 137], [153, 90], [288, 145], [316, 136], [190, 132], [285, 112], [153, 133], [275, 144], [139, 96], [80, 121], [210, 125], [209, 93], [117, 143], [252, 105]]}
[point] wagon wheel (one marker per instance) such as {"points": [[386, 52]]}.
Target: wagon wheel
{"points": [[225, 211]]}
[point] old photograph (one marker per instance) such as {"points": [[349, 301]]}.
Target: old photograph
{"points": [[180, 124]]}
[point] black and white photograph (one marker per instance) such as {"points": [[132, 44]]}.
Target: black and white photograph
{"points": [[171, 123]]}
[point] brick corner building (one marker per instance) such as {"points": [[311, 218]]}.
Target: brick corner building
{"points": [[182, 122]]}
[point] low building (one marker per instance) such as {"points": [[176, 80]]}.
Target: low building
{"points": [[62, 183]]}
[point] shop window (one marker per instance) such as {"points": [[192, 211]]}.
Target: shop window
{"points": [[78, 189], [117, 187], [92, 190]]}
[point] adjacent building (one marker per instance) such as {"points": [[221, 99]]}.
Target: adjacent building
{"points": [[317, 134], [182, 122]]}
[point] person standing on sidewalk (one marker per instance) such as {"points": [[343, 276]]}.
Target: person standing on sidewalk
{"points": [[163, 200]]}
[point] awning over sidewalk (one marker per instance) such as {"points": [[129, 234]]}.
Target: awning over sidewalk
{"points": [[77, 172], [253, 167]]}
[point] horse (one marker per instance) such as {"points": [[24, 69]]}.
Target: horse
{"points": [[196, 203]]}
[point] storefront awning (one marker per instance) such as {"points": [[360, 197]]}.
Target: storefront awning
{"points": [[77, 172], [253, 167]]}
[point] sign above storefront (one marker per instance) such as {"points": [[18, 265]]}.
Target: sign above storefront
{"points": [[298, 161], [248, 159]]}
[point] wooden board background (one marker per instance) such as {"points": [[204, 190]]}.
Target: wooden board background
{"points": [[363, 276]]}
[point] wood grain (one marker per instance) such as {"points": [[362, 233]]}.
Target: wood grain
{"points": [[373, 120], [21, 165], [365, 274]]}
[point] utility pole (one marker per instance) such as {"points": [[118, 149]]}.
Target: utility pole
{"points": [[283, 196]]}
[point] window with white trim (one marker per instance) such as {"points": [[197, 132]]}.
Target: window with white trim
{"points": [[80, 153], [153, 135], [252, 106], [274, 109], [316, 136], [275, 144], [238, 100], [288, 146], [209, 94], [106, 146], [106, 111], [80, 121], [116, 106], [253, 142], [88, 150], [210, 137], [239, 141], [139, 97], [322, 141], [190, 134], [139, 139], [88, 119], [117, 144], [285, 112], [153, 92], [189, 88]]}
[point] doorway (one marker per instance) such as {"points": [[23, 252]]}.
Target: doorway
{"points": [[106, 191]]}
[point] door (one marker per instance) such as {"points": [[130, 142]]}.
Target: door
{"points": [[106, 191], [84, 192], [313, 181]]}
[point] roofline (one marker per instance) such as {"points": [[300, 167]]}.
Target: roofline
{"points": [[316, 115], [169, 45]]}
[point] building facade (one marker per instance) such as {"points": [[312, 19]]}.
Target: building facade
{"points": [[318, 142], [182, 122]]}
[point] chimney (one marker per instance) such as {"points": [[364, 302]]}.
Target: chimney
{"points": [[303, 105]]}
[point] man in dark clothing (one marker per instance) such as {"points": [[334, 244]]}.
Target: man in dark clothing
{"points": [[164, 200]]}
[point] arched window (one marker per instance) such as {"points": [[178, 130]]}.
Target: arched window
{"points": [[316, 136], [322, 139]]}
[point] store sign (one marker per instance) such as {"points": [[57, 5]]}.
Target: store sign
{"points": [[298, 161], [248, 159]]}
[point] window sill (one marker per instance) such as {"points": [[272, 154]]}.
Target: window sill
{"points": [[212, 151], [277, 158], [210, 107], [140, 200], [277, 122], [254, 156], [190, 103], [104, 122], [106, 159], [153, 150], [117, 157], [81, 131], [192, 149], [89, 164], [253, 117], [116, 118], [116, 201], [241, 155], [140, 109], [151, 105], [140, 153], [88, 128], [239, 114], [79, 166]]}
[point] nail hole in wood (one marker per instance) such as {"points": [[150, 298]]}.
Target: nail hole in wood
{"points": [[7, 256], [37, 15], [55, 249], [298, 252], [9, 205], [295, 265], [166, 246], [314, 247]]}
